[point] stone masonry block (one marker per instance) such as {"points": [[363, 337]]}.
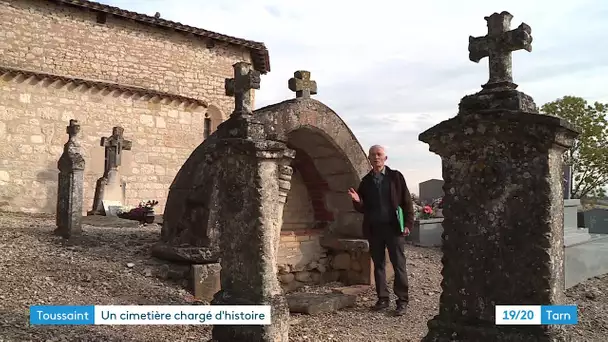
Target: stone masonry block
{"points": [[205, 281]]}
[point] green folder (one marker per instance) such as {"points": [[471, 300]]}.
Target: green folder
{"points": [[400, 219]]}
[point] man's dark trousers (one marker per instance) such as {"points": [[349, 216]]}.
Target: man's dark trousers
{"points": [[385, 238]]}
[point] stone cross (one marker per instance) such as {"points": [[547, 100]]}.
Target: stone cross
{"points": [[503, 227], [498, 45], [250, 228], [70, 189], [245, 79], [114, 145], [108, 186], [302, 84], [72, 130]]}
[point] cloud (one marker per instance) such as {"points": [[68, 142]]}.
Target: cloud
{"points": [[391, 69]]}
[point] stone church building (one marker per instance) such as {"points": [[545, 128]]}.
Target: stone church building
{"points": [[163, 82]]}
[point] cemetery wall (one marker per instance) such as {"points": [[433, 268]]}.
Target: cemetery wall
{"points": [[43, 37]]}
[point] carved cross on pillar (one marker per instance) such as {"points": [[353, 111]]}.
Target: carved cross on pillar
{"points": [[245, 79], [498, 45], [73, 129], [302, 84], [114, 145]]}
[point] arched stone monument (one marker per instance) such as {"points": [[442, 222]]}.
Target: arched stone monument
{"points": [[226, 202]]}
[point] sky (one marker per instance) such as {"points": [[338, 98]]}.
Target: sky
{"points": [[392, 69]]}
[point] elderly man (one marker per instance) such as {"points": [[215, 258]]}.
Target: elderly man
{"points": [[379, 195]]}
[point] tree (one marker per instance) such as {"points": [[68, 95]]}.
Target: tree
{"points": [[588, 157]]}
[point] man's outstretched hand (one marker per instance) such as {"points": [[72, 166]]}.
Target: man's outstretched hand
{"points": [[406, 231], [354, 195]]}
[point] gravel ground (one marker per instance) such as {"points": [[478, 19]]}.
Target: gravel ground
{"points": [[112, 266]]}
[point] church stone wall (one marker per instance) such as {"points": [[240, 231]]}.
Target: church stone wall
{"points": [[40, 36], [44, 36], [33, 122]]}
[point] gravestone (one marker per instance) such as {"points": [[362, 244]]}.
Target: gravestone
{"points": [[503, 207], [596, 220], [70, 190], [191, 225], [109, 188], [430, 190], [249, 214], [571, 213]]}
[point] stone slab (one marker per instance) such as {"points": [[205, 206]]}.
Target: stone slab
{"points": [[341, 244], [596, 220], [192, 255], [427, 233], [586, 260], [577, 236], [315, 303], [205, 281], [570, 212], [354, 290], [109, 221]]}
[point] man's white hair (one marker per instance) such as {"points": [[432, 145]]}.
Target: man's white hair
{"points": [[377, 147]]}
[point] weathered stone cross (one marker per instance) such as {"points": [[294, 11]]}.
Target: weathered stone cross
{"points": [[73, 129], [114, 145], [245, 79], [302, 85], [498, 45]]}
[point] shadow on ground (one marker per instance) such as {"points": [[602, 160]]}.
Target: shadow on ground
{"points": [[107, 266]]}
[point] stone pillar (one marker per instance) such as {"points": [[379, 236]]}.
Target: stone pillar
{"points": [[70, 186], [253, 187], [503, 208]]}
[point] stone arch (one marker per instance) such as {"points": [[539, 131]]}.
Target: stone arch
{"points": [[328, 160], [328, 152]]}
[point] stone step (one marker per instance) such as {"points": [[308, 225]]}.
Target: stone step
{"points": [[315, 303], [354, 290]]}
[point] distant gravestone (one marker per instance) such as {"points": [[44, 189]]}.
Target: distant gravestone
{"points": [[502, 164], [109, 187], [70, 189], [596, 220], [430, 190]]}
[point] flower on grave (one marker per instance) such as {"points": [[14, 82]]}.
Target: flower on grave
{"points": [[148, 205], [424, 212]]}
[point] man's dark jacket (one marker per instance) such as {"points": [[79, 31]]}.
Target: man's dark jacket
{"points": [[400, 196]]}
